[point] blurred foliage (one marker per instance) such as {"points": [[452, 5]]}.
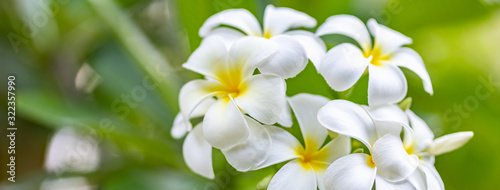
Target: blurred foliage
{"points": [[131, 44]]}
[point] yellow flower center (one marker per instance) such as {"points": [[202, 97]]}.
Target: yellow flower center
{"points": [[267, 34], [370, 162], [310, 158], [376, 56]]}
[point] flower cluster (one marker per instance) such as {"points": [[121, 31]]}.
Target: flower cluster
{"points": [[244, 108]]}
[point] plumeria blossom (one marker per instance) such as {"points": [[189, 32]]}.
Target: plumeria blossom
{"points": [[388, 163], [230, 79], [306, 163], [420, 141], [295, 46], [343, 65]]}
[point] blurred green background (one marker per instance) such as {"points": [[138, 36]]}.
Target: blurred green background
{"points": [[50, 46]]}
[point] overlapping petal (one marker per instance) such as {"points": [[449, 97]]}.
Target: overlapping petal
{"points": [[247, 54], [253, 151], [229, 35], [224, 125], [193, 94], [392, 161], [386, 84], [197, 153], [238, 18], [408, 58], [282, 148], [278, 20], [289, 61], [350, 172], [342, 66], [315, 47], [293, 176], [305, 107], [262, 97], [386, 39], [349, 119], [180, 127], [349, 26], [210, 58]]}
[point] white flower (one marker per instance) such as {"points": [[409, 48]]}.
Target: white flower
{"points": [[343, 65], [230, 79], [71, 151], [295, 47], [388, 162], [253, 151], [307, 164], [420, 141]]}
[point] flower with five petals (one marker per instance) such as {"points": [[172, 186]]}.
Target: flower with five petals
{"points": [[343, 65], [295, 46]]}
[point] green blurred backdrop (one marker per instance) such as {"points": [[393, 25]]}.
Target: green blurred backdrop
{"points": [[49, 45]]}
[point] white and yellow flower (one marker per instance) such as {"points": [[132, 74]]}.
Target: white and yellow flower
{"points": [[420, 141], [388, 162], [343, 65], [230, 80], [295, 46], [306, 163]]}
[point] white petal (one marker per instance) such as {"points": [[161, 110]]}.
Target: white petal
{"points": [[320, 179], [338, 147], [433, 179], [198, 153], [418, 179], [253, 151], [350, 172], [229, 35], [391, 159], [293, 176], [386, 39], [278, 20], [283, 145], [238, 18], [248, 53], [406, 57], [382, 184], [289, 61], [346, 25], [423, 135], [209, 58], [349, 119], [388, 112], [262, 97], [285, 118], [224, 125], [193, 93], [72, 151], [180, 127], [315, 47], [305, 108], [389, 118], [449, 142], [386, 85], [342, 66]]}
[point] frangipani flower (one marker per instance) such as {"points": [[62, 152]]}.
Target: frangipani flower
{"points": [[420, 141], [388, 162], [197, 151], [344, 64], [307, 164], [230, 79], [295, 47]]}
